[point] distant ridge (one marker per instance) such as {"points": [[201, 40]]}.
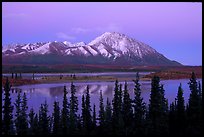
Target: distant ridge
{"points": [[109, 48]]}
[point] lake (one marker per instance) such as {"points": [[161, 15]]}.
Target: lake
{"points": [[38, 93]]}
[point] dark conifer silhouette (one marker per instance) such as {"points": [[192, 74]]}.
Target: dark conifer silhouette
{"points": [[7, 122], [108, 117], [116, 109], [44, 119], [83, 112], [36, 125], [21, 116], [18, 118], [31, 122], [139, 108], [56, 119], [172, 119], [180, 112], [73, 109], [94, 116], [65, 114], [127, 111], [88, 118], [120, 96], [194, 108], [24, 115], [158, 108], [101, 116]]}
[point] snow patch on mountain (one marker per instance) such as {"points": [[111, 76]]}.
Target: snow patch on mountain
{"points": [[42, 49], [92, 51]]}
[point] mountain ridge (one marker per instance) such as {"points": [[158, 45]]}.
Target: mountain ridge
{"points": [[109, 48]]}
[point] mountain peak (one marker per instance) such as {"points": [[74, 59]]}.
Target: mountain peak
{"points": [[113, 34], [106, 36]]}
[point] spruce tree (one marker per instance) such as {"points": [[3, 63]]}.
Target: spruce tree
{"points": [[194, 108], [108, 117], [155, 104], [56, 119], [79, 123], [180, 111], [65, 113], [164, 113], [127, 111], [83, 112], [101, 112], [120, 95], [139, 107], [36, 125], [24, 115], [199, 90], [200, 99], [172, 119], [201, 102], [7, 125], [18, 118], [158, 108], [44, 119], [194, 96], [31, 121], [73, 109], [116, 109], [94, 116], [88, 110]]}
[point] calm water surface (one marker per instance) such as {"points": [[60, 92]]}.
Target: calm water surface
{"points": [[38, 93]]}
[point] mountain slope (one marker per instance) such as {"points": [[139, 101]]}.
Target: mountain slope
{"points": [[109, 48]]}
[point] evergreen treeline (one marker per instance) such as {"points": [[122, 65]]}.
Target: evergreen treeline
{"points": [[124, 116]]}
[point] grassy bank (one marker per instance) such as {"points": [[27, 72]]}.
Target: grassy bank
{"points": [[60, 79]]}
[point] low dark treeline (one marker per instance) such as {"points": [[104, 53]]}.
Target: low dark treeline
{"points": [[122, 116]]}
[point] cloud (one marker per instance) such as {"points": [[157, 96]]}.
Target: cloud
{"points": [[65, 36], [15, 15], [80, 30], [112, 27]]}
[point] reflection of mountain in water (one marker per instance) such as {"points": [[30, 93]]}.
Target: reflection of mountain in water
{"points": [[94, 89], [107, 89], [81, 89], [56, 91]]}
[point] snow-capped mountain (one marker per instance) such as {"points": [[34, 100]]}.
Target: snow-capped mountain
{"points": [[120, 45], [109, 48]]}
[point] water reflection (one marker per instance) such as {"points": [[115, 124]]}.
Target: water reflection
{"points": [[81, 89], [38, 93]]}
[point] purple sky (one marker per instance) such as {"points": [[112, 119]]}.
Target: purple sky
{"points": [[173, 29]]}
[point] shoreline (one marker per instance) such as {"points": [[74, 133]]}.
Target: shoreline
{"points": [[21, 82], [56, 79], [170, 74]]}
